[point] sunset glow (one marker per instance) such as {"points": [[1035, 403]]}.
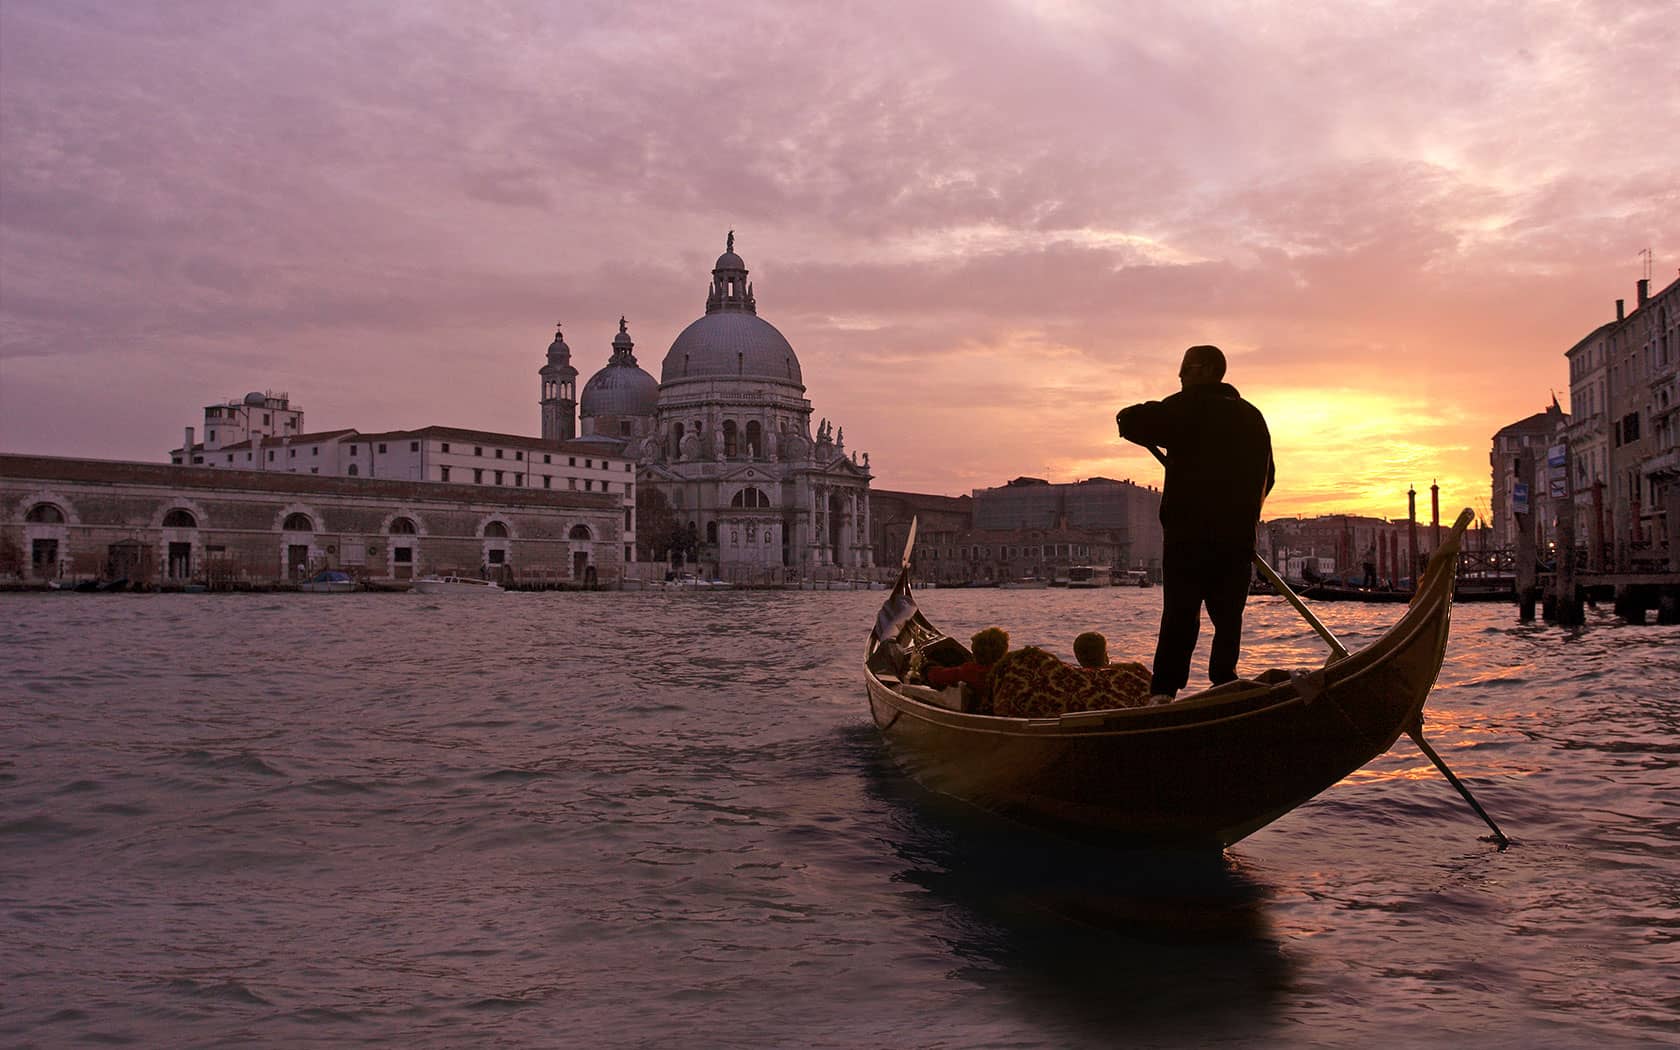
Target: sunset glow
{"points": [[984, 228]]}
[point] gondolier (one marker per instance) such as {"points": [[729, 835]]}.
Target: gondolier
{"points": [[1218, 455]]}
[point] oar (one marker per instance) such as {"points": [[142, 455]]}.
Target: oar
{"points": [[1415, 731], [1338, 652]]}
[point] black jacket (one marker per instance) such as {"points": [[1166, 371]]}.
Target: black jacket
{"points": [[1219, 463]]}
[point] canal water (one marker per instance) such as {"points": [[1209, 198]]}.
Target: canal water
{"points": [[619, 820]]}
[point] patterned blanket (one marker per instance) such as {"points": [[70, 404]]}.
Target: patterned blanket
{"points": [[1031, 683]]}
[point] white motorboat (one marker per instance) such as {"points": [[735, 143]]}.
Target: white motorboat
{"points": [[455, 585], [1086, 576], [687, 581]]}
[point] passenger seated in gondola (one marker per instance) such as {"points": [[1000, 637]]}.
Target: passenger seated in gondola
{"points": [[1091, 650], [988, 647]]}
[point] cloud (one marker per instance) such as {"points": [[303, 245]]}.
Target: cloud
{"points": [[1001, 226]]}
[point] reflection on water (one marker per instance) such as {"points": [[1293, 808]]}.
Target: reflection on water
{"points": [[1106, 944]]}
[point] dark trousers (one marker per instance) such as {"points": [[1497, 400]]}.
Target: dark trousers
{"points": [[1193, 575]]}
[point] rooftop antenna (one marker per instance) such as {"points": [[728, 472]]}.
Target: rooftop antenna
{"points": [[1645, 253]]}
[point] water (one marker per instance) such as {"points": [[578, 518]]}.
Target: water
{"points": [[639, 820]]}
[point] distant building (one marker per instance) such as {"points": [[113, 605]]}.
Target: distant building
{"points": [[447, 455], [999, 555], [1624, 433], [1127, 515], [1028, 527], [1643, 349], [163, 526], [1588, 436], [1340, 544], [257, 414], [940, 519], [725, 434], [1536, 433]]}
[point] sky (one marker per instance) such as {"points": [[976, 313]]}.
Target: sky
{"points": [[984, 226]]}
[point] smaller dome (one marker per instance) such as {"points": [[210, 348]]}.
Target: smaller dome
{"points": [[730, 261], [256, 397], [619, 390]]}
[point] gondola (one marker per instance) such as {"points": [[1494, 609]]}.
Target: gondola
{"points": [[1202, 772], [1464, 592], [1329, 592]]}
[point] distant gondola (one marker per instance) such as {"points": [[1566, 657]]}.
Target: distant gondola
{"points": [[1205, 771], [1329, 592]]}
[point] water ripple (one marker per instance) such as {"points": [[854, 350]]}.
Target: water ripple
{"points": [[655, 819]]}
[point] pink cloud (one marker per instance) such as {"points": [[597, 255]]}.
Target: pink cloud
{"points": [[1002, 226]]}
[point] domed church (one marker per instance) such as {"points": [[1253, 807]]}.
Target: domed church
{"points": [[725, 433]]}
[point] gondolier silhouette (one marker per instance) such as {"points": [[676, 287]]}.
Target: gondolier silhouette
{"points": [[1218, 455]]}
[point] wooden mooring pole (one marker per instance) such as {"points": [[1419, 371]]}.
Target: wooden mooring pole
{"points": [[1523, 513], [1568, 607]]}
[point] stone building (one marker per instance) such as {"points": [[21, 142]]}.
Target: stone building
{"points": [[1038, 530], [725, 434], [1536, 433], [449, 455], [1623, 434], [938, 518], [1000, 555], [167, 526], [1126, 514], [1339, 544], [1588, 436], [1643, 350]]}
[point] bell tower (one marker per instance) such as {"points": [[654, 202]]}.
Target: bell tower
{"points": [[559, 392]]}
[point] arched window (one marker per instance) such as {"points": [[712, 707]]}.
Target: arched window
{"points": [[711, 532], [580, 532], [750, 497], [755, 439], [179, 519], [298, 523], [44, 514], [352, 472], [495, 531], [730, 444], [402, 527], [676, 433]]}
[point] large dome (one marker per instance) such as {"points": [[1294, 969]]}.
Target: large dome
{"points": [[619, 390], [731, 343]]}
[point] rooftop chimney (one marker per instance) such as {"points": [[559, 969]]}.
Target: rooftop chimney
{"points": [[1644, 290], [1619, 310], [186, 448]]}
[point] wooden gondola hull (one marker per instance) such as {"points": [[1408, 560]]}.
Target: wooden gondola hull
{"points": [[1204, 772]]}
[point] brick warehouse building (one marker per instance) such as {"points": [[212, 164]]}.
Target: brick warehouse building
{"points": [[166, 526]]}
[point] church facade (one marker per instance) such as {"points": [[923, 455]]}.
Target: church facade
{"points": [[725, 433]]}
